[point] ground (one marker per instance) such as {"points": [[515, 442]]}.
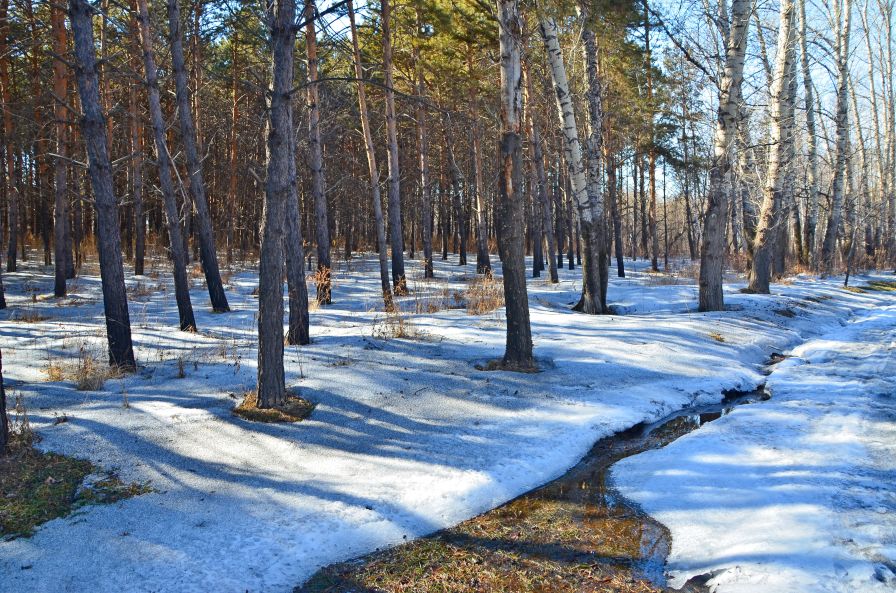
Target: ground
{"points": [[406, 436], [795, 494]]}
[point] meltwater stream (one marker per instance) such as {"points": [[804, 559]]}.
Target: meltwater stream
{"points": [[577, 520]]}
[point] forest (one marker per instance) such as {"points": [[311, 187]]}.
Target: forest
{"points": [[443, 295]]}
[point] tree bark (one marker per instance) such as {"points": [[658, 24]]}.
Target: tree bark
{"points": [[769, 217], [60, 90], [163, 160], [395, 229], [423, 154], [712, 253], [542, 205], [4, 419], [572, 150], [12, 181], [271, 376], [316, 161], [483, 265], [511, 201], [842, 139], [811, 148], [207, 251], [93, 130], [379, 222]]}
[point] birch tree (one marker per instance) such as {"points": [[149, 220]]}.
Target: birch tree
{"points": [[781, 125], [572, 151], [712, 253], [842, 135]]}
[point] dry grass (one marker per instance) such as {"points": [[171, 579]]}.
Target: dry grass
{"points": [[531, 545], [91, 373], [484, 295], [881, 285], [395, 325], [295, 409], [717, 337], [28, 315]]}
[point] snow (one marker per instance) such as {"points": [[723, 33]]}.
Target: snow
{"points": [[407, 436], [793, 494]]}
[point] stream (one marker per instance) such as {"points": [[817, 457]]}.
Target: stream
{"points": [[567, 535]]}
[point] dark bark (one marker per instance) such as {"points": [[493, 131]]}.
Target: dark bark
{"points": [[271, 376], [511, 201], [163, 161], [93, 130], [396, 236], [203, 221], [316, 163]]}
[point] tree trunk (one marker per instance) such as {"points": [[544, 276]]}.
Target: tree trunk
{"points": [[712, 253], [299, 331], [542, 204], [271, 377], [316, 161], [811, 149], [4, 419], [769, 217], [163, 160], [60, 90], [423, 153], [511, 201], [380, 224], [93, 130], [207, 251], [651, 149], [572, 150], [842, 138], [396, 236], [137, 181], [12, 181], [483, 265]]}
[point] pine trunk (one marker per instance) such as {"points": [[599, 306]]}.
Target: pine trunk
{"points": [[511, 201], [163, 161], [93, 130], [203, 219], [395, 229], [316, 161]]}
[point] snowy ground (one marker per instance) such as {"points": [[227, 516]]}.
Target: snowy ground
{"points": [[794, 494], [407, 436]]}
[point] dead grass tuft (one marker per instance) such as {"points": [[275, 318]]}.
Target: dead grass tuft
{"points": [[91, 373], [484, 295], [717, 337], [295, 409]]}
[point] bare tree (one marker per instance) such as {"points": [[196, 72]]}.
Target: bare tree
{"points": [[207, 252], [370, 149], [60, 90], [93, 130], [271, 376], [163, 160], [572, 151], [842, 136], [511, 199], [712, 254], [781, 126], [399, 281], [316, 161]]}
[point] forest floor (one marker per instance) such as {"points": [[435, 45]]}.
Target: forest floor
{"points": [[406, 438], [795, 494]]}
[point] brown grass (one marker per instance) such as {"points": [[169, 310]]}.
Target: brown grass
{"points": [[717, 337], [484, 295], [90, 373], [295, 409]]}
